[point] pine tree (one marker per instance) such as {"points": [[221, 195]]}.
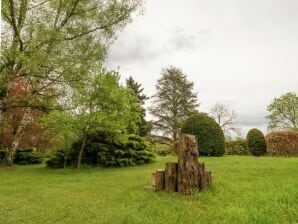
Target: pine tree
{"points": [[173, 102], [144, 127]]}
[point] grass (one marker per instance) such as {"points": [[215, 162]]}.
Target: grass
{"points": [[246, 190]]}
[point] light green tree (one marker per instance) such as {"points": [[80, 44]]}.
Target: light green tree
{"points": [[284, 112], [52, 45], [100, 105]]}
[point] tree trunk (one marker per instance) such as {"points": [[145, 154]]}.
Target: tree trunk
{"points": [[171, 173], [159, 180], [188, 172], [18, 136], [81, 153]]}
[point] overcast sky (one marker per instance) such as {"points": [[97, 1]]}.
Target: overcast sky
{"points": [[239, 52]]}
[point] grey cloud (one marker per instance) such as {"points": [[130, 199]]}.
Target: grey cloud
{"points": [[252, 120], [132, 49], [140, 48], [181, 39]]}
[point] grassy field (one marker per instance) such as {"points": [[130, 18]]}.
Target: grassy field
{"points": [[246, 190]]}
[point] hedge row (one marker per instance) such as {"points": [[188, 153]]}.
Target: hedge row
{"points": [[236, 147], [284, 143]]}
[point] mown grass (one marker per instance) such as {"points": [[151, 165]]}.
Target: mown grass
{"points": [[246, 190]]}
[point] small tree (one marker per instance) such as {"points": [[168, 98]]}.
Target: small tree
{"points": [[256, 142], [284, 112], [173, 102], [226, 119]]}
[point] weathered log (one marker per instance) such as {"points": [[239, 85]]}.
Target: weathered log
{"points": [[188, 172], [159, 180], [171, 175]]}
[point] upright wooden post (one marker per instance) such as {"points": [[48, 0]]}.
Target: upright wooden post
{"points": [[188, 172], [171, 174]]}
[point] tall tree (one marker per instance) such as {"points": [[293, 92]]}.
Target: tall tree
{"points": [[143, 126], [226, 118], [284, 112], [173, 102], [52, 45]]}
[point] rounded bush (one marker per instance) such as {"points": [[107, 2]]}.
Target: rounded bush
{"points": [[210, 137], [256, 142]]}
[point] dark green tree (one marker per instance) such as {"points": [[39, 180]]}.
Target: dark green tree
{"points": [[256, 142], [173, 102], [209, 134], [144, 127]]}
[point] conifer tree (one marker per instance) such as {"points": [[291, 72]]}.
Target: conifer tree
{"points": [[173, 102], [144, 126]]}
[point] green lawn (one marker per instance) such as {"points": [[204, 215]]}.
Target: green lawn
{"points": [[246, 190]]}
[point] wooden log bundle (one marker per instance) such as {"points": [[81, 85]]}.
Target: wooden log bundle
{"points": [[188, 174]]}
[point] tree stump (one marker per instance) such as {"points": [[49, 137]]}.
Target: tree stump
{"points": [[159, 180], [186, 175], [171, 174], [188, 172]]}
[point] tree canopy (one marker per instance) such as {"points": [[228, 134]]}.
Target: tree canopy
{"points": [[173, 102], [284, 112]]}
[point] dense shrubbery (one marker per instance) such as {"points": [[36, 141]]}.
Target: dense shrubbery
{"points": [[210, 136], [256, 142], [284, 143], [236, 147], [106, 151], [25, 156]]}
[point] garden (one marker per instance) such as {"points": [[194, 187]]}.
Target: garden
{"points": [[83, 143]]}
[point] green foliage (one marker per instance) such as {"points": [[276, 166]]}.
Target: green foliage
{"points": [[173, 102], [236, 147], [284, 143], [210, 136], [256, 142], [58, 159], [143, 127], [107, 150], [25, 156], [284, 112], [52, 48]]}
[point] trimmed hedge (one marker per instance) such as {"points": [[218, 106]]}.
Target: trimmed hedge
{"points": [[256, 142], [102, 151], [209, 135], [284, 143], [236, 147]]}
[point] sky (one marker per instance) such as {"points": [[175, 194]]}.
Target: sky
{"points": [[242, 53]]}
